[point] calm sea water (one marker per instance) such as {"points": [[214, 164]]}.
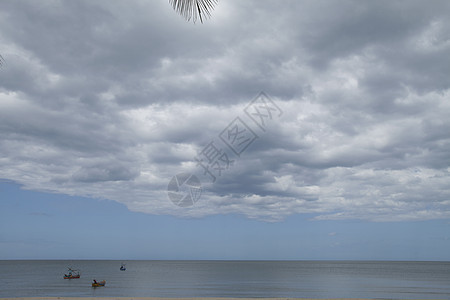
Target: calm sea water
{"points": [[303, 279]]}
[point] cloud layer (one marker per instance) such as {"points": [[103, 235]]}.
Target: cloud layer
{"points": [[110, 100]]}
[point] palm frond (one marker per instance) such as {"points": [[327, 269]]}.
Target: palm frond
{"points": [[194, 9]]}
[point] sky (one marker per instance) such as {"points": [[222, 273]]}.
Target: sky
{"points": [[273, 130]]}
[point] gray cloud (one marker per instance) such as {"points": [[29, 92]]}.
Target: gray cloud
{"points": [[105, 172], [111, 100]]}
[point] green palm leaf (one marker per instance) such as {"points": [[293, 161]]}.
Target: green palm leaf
{"points": [[194, 9]]}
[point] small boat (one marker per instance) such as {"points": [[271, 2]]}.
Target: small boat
{"points": [[73, 274], [122, 267], [97, 284]]}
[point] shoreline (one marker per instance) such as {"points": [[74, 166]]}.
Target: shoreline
{"points": [[161, 298]]}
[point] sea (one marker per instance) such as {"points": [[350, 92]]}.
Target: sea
{"points": [[287, 279]]}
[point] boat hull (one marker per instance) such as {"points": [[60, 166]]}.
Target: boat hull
{"points": [[101, 283]]}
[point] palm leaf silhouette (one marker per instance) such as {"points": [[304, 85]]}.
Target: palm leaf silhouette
{"points": [[194, 9]]}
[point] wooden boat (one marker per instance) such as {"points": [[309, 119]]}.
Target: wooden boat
{"points": [[73, 274], [100, 283]]}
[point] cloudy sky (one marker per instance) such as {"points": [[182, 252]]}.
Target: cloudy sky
{"points": [[102, 103]]}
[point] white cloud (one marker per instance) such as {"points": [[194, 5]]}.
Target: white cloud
{"points": [[110, 101]]}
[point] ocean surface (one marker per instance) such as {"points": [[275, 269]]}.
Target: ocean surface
{"points": [[302, 279]]}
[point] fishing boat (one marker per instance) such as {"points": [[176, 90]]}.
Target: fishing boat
{"points": [[73, 274], [122, 267], [97, 284]]}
